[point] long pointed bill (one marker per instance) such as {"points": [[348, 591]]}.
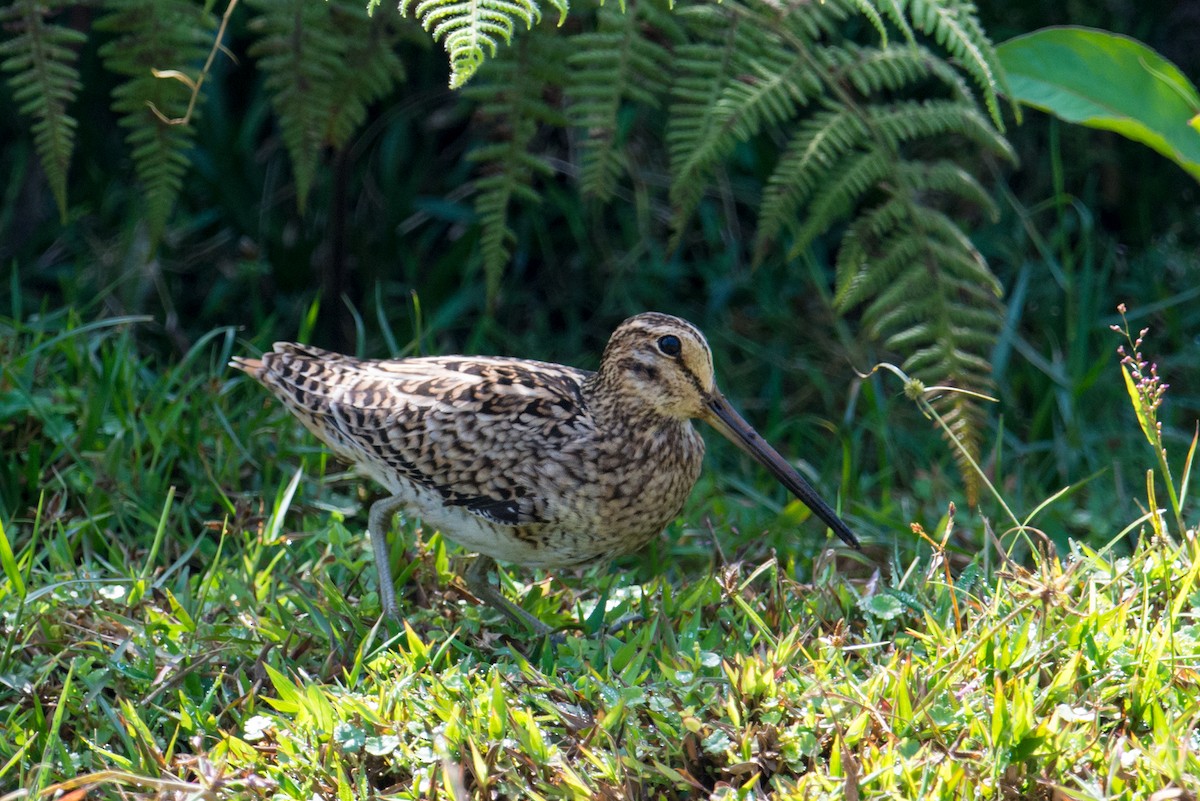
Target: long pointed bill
{"points": [[723, 418]]}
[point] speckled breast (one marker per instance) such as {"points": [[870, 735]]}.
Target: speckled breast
{"points": [[642, 486]]}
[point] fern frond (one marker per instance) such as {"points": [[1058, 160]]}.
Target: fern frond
{"points": [[930, 295], [826, 145], [44, 82], [809, 157], [907, 121], [626, 58], [472, 30], [156, 35], [370, 69], [953, 25], [893, 11], [325, 63], [811, 23], [297, 49], [865, 268], [727, 91], [893, 68], [891, 311], [511, 90], [946, 178], [764, 64], [872, 224], [837, 198], [866, 9]]}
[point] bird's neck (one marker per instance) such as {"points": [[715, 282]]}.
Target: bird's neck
{"points": [[615, 408]]}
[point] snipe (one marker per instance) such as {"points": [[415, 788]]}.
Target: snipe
{"points": [[524, 461]]}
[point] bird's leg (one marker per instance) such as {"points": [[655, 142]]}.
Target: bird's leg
{"points": [[624, 621], [378, 523], [476, 577]]}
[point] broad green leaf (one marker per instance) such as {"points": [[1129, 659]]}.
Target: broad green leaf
{"points": [[1000, 721], [1103, 80], [9, 562], [290, 699]]}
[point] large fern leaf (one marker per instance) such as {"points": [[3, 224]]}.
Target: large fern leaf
{"points": [[297, 49], [44, 82], [156, 35], [930, 296], [847, 152], [370, 69], [326, 62]]}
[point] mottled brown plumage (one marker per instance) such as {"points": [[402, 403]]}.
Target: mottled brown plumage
{"points": [[525, 461]]}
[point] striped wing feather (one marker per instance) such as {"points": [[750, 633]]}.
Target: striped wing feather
{"points": [[474, 429]]}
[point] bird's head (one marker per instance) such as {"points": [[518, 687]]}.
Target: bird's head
{"points": [[662, 365]]}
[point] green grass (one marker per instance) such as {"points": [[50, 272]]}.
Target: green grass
{"points": [[189, 610]]}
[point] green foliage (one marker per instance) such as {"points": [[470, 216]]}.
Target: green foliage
{"points": [[510, 93], [929, 294], [44, 81], [954, 26], [739, 76], [152, 35], [615, 63], [325, 63]]}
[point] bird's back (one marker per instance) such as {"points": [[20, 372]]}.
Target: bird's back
{"points": [[503, 455], [469, 428]]}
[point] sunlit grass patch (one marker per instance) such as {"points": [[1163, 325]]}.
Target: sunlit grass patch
{"points": [[189, 609]]}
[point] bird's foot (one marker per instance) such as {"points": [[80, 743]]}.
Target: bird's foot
{"points": [[624, 621], [477, 577]]}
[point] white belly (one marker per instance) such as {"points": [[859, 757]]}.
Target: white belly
{"points": [[529, 546]]}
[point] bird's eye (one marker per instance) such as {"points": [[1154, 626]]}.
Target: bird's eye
{"points": [[670, 345]]}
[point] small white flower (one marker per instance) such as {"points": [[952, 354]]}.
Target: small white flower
{"points": [[257, 727]]}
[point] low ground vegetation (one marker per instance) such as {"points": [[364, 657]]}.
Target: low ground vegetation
{"points": [[189, 611]]}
